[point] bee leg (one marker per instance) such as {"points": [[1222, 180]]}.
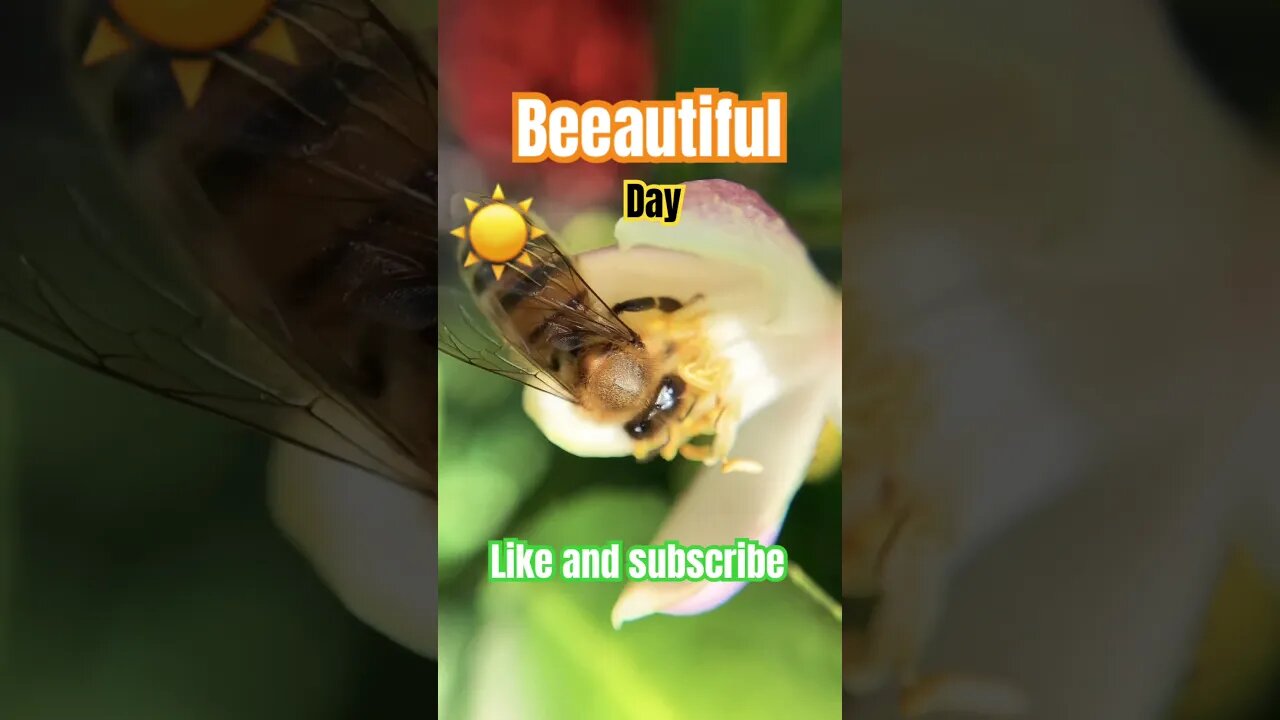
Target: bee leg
{"points": [[677, 437], [646, 450], [697, 422], [634, 305], [670, 450], [697, 453], [664, 304]]}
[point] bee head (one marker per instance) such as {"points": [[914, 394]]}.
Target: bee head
{"points": [[661, 406]]}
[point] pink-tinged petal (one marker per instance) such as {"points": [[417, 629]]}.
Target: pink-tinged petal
{"points": [[731, 225], [719, 508], [373, 542], [716, 594], [621, 273]]}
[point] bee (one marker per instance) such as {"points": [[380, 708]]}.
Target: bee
{"points": [[547, 328], [257, 238]]}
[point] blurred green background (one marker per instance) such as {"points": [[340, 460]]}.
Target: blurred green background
{"points": [[141, 575], [548, 649]]}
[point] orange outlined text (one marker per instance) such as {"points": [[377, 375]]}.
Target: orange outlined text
{"points": [[703, 126]]}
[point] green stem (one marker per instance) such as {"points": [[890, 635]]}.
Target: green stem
{"points": [[802, 580]]}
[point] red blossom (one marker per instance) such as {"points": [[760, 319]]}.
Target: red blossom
{"points": [[575, 50]]}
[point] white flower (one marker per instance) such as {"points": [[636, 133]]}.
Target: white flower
{"points": [[773, 320], [771, 314], [372, 541], [1054, 222]]}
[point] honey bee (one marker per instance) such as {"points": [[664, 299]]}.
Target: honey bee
{"points": [[663, 387], [259, 242]]}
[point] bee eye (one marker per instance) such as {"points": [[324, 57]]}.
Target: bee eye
{"points": [[668, 394], [666, 400], [639, 429]]}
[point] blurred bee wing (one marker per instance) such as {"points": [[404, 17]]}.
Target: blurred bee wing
{"points": [[267, 254], [125, 303], [467, 336]]}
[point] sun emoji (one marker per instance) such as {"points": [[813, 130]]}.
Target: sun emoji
{"points": [[193, 32], [498, 232]]}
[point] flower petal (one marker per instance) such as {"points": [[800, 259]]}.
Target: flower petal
{"points": [[373, 542], [731, 225], [1252, 460], [719, 508], [571, 430], [1133, 556]]}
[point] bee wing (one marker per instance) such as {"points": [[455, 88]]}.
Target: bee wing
{"points": [[77, 291], [590, 315], [544, 282], [469, 337], [260, 255]]}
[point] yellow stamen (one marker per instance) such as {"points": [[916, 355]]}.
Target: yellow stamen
{"points": [[743, 465], [681, 336], [697, 453]]}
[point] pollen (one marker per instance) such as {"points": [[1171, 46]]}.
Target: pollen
{"points": [[742, 465], [709, 410]]}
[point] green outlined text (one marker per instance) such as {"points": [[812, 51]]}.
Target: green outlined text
{"points": [[514, 560]]}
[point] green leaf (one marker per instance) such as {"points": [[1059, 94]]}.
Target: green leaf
{"points": [[770, 652]]}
